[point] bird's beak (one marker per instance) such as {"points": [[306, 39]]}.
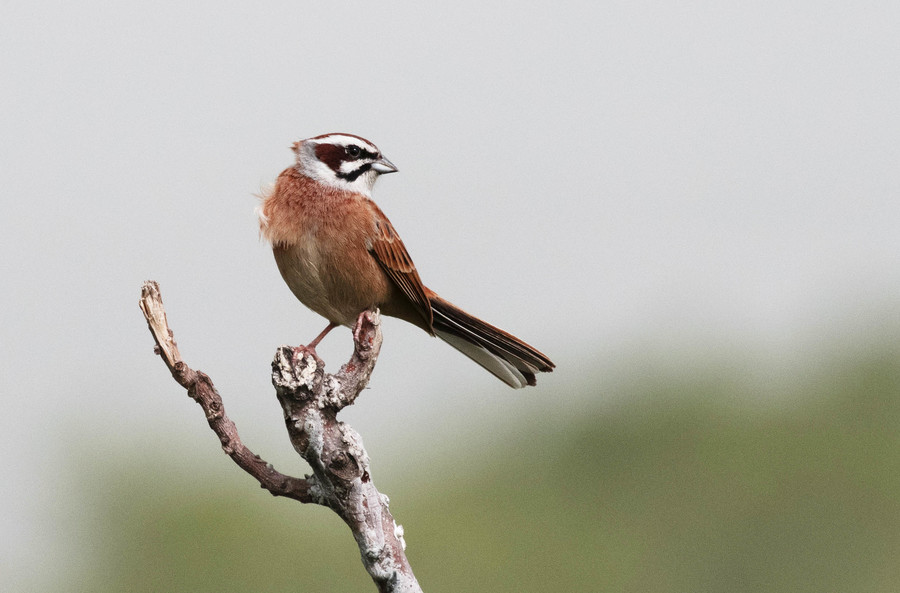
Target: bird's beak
{"points": [[382, 166]]}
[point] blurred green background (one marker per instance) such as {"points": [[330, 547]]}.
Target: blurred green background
{"points": [[689, 481]]}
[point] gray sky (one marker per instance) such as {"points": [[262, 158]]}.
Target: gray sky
{"points": [[591, 176]]}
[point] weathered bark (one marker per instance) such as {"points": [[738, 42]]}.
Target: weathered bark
{"points": [[311, 399]]}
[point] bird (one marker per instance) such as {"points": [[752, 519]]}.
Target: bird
{"points": [[340, 255]]}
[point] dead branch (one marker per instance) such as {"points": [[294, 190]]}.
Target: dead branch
{"points": [[310, 399]]}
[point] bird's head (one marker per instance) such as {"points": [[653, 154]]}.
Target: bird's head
{"points": [[343, 161]]}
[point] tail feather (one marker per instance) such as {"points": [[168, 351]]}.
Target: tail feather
{"points": [[508, 358]]}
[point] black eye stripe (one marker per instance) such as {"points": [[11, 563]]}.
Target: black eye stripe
{"points": [[363, 154], [335, 157]]}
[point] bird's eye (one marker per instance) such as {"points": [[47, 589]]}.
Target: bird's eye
{"points": [[353, 150]]}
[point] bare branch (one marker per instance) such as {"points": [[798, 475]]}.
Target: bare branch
{"points": [[155, 314], [310, 399], [200, 387]]}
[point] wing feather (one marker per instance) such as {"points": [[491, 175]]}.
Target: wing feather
{"points": [[391, 254]]}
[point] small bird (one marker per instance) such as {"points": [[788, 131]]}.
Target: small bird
{"points": [[340, 255]]}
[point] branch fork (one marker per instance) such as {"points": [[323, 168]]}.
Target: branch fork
{"points": [[311, 400]]}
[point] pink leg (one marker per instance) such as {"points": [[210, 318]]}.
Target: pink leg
{"points": [[312, 345]]}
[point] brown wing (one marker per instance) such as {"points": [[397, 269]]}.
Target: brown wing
{"points": [[391, 254]]}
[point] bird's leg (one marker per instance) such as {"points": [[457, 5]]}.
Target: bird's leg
{"points": [[312, 345]]}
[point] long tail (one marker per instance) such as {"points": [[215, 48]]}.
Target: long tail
{"points": [[510, 359]]}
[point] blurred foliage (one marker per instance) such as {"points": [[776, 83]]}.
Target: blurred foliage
{"points": [[687, 484]]}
